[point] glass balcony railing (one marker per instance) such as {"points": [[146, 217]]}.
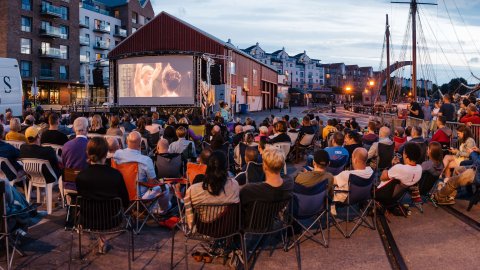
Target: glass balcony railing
{"points": [[50, 53], [100, 44], [46, 73], [84, 24], [84, 40], [120, 32], [104, 28], [84, 59], [49, 9], [51, 31]]}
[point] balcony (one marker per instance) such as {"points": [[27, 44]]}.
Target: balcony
{"points": [[51, 31], [120, 33], [50, 53], [51, 10], [103, 63], [101, 45], [84, 59], [84, 41], [102, 28], [46, 74], [84, 24]]}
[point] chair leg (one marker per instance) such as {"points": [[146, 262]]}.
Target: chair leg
{"points": [[80, 244], [245, 252], [60, 187], [130, 246], [297, 251], [133, 244], [173, 244], [29, 191], [71, 250], [186, 254], [49, 196], [38, 194]]}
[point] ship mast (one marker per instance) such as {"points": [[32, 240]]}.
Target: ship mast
{"points": [[387, 34]]}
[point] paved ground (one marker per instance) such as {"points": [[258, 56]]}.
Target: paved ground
{"points": [[432, 240]]}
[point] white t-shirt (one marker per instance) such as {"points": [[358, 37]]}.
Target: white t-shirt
{"points": [[341, 181], [406, 174]]}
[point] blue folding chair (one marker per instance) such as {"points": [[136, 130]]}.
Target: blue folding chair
{"points": [[336, 166], [310, 204], [359, 192]]}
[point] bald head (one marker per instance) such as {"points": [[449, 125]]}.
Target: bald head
{"points": [[134, 140], [215, 130], [384, 132], [162, 146], [238, 129], [359, 158]]}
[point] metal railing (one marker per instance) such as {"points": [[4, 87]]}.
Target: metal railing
{"points": [[120, 32], [84, 59], [50, 9], [84, 40], [102, 28], [51, 52], [100, 44], [51, 31]]}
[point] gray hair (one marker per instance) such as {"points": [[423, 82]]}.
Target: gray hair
{"points": [[15, 125], [80, 124]]}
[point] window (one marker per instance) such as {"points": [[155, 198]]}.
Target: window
{"points": [[117, 13], [134, 30], [64, 51], [27, 4], [26, 24], [232, 68], [134, 17], [46, 70], [99, 56], [64, 12], [255, 78], [25, 46], [87, 20], [64, 72], [64, 30], [141, 19], [245, 83], [26, 68], [45, 47]]}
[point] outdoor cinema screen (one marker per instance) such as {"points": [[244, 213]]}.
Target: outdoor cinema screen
{"points": [[156, 80]]}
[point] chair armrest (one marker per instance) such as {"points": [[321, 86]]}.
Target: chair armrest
{"points": [[150, 184], [181, 181], [26, 210]]}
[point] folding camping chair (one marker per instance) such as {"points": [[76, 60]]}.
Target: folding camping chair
{"points": [[359, 192], [389, 195], [139, 206], [67, 185], [7, 169], [305, 143], [285, 147], [310, 204], [254, 173]]}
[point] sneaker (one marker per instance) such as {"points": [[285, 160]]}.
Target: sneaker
{"points": [[103, 246]]}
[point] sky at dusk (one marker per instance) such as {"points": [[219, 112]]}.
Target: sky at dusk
{"points": [[349, 31]]}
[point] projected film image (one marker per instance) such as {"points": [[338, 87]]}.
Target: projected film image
{"points": [[156, 77]]}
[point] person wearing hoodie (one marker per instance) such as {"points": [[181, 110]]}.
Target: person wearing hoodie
{"points": [[472, 116], [447, 190], [443, 133]]}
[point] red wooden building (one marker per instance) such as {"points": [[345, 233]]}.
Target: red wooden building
{"points": [[246, 80]]}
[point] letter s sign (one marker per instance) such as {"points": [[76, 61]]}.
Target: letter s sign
{"points": [[8, 87]]}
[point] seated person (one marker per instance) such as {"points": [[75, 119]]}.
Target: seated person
{"points": [[169, 165], [399, 138], [472, 116], [249, 126], [32, 149], [181, 145], [360, 169], [370, 137], [417, 138], [152, 127], [408, 173], [328, 129], [306, 127], [141, 124], [443, 133], [14, 133], [114, 129], [11, 153], [127, 123], [237, 138], [52, 135], [74, 151], [215, 187], [239, 150], [263, 133], [97, 126], [353, 140], [383, 138], [273, 189], [99, 181], [169, 134], [251, 155], [196, 169], [408, 133], [434, 164], [317, 174], [113, 146], [146, 170], [339, 156], [467, 143], [280, 133]]}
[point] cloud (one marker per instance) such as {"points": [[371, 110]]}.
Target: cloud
{"points": [[474, 60]]}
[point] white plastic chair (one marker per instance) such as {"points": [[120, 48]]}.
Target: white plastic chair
{"points": [[15, 144], [121, 140], [33, 167], [145, 146], [56, 147], [91, 135], [18, 177], [285, 147], [293, 137], [307, 139]]}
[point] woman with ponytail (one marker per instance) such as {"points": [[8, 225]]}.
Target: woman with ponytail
{"points": [[216, 187]]}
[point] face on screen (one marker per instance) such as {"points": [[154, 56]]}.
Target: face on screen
{"points": [[156, 76]]}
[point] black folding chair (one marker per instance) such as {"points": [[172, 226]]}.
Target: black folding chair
{"points": [[310, 204], [211, 223], [69, 178], [268, 218], [426, 187], [359, 195], [475, 197], [254, 173], [8, 234], [385, 156], [389, 195], [101, 217]]}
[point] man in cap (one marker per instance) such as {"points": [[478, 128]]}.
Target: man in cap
{"points": [[319, 173], [32, 149]]}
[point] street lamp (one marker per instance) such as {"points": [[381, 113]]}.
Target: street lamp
{"points": [[371, 83]]}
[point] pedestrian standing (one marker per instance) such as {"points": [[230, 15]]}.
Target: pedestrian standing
{"points": [[427, 117]]}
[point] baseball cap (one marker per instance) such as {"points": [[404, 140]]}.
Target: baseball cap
{"points": [[321, 158], [31, 132]]}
